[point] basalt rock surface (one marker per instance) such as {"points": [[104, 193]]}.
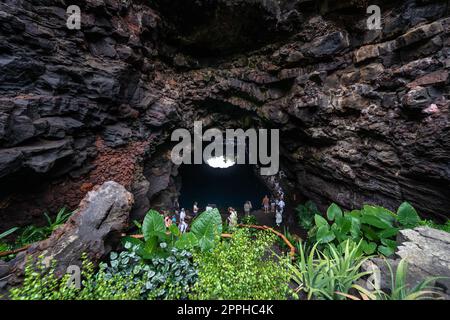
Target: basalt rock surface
{"points": [[94, 229], [426, 252], [363, 114]]}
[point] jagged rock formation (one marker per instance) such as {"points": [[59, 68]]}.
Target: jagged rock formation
{"points": [[93, 230], [426, 252], [364, 114]]}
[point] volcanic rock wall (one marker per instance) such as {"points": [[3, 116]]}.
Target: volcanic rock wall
{"points": [[364, 114]]}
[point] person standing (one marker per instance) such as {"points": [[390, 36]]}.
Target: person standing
{"points": [[281, 204], [273, 205], [265, 203], [278, 216], [176, 205], [183, 226], [247, 207], [232, 219], [182, 215], [167, 221], [195, 209]]}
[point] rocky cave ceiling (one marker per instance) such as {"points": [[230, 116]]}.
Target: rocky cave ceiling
{"points": [[363, 114]]}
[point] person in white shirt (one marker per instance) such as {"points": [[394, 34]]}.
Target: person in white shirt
{"points": [[279, 216], [208, 207], [233, 218], [247, 207], [195, 209], [183, 226], [281, 204], [182, 215]]}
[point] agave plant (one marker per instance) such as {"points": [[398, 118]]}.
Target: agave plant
{"points": [[320, 275], [399, 288], [8, 232]]}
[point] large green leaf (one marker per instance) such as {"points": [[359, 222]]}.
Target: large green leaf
{"points": [[320, 221], [8, 232], [368, 247], [149, 249], [386, 251], [206, 227], [388, 233], [324, 234], [334, 212], [354, 213], [186, 241], [344, 224], [376, 221], [355, 229], [369, 233], [153, 225], [388, 248], [129, 242], [407, 215], [174, 230], [379, 212]]}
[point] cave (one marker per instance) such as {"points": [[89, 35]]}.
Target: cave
{"points": [[221, 187], [88, 114]]}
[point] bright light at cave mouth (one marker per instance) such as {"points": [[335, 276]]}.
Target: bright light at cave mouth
{"points": [[220, 162]]}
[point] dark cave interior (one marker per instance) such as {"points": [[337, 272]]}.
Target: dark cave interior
{"points": [[223, 187]]}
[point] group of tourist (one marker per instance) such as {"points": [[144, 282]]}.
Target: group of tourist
{"points": [[170, 220], [270, 205], [275, 205]]}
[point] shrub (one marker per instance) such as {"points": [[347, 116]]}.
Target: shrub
{"points": [[292, 238], [444, 227], [241, 268], [41, 283], [320, 275], [376, 226], [306, 213], [170, 277], [159, 240], [399, 289], [249, 220]]}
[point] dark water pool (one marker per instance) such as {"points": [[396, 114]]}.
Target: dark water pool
{"points": [[222, 187]]}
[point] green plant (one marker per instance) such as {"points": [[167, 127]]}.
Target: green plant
{"points": [[249, 220], [399, 289], [444, 227], [321, 275], [241, 268], [32, 233], [41, 283], [374, 225], [159, 240], [164, 278], [291, 238], [3, 245], [306, 213], [8, 232]]}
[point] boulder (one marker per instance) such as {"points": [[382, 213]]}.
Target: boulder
{"points": [[94, 229], [427, 252]]}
